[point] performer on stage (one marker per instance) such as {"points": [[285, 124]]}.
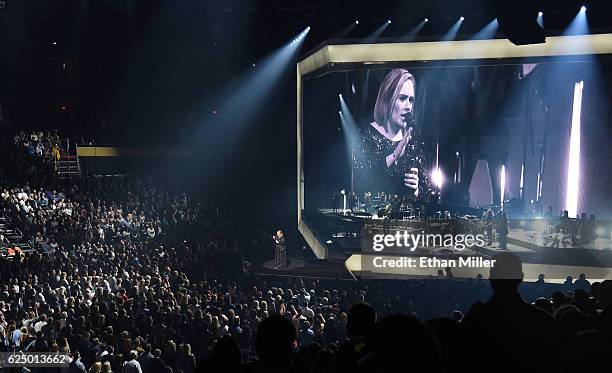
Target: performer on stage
{"points": [[280, 253], [390, 155], [502, 230]]}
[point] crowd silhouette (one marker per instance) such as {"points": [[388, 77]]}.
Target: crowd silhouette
{"points": [[133, 274]]}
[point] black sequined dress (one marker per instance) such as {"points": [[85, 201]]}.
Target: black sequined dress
{"points": [[280, 252], [372, 174]]}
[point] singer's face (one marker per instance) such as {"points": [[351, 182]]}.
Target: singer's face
{"points": [[403, 105]]}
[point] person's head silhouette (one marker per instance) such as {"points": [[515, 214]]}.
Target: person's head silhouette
{"points": [[506, 274], [275, 339], [361, 318]]}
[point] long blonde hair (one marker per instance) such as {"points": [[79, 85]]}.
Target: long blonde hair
{"points": [[106, 367], [96, 367], [388, 92]]}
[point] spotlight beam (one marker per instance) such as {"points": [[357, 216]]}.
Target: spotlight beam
{"points": [[573, 166], [254, 86], [415, 31], [540, 19], [346, 30], [502, 185], [376, 33], [487, 32], [452, 32], [579, 25]]}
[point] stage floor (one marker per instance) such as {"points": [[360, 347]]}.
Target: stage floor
{"points": [[554, 255]]}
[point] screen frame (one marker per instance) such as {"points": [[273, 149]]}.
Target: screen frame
{"points": [[333, 57]]}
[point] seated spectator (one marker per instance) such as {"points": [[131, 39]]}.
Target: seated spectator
{"points": [[507, 331]]}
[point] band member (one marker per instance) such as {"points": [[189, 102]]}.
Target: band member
{"points": [[396, 212], [390, 155], [488, 217], [335, 200], [502, 231], [367, 201], [280, 252], [352, 202]]}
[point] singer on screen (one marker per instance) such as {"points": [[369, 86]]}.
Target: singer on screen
{"points": [[390, 157]]}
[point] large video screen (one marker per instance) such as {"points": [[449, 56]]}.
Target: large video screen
{"points": [[512, 156], [451, 135]]}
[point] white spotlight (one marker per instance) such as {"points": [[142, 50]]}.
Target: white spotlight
{"points": [[307, 28], [461, 18], [388, 21], [340, 112], [437, 177], [540, 14], [340, 95], [502, 185], [356, 22], [583, 9], [573, 166], [426, 20]]}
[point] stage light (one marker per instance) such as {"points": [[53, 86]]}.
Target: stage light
{"points": [[340, 112], [579, 25], [452, 32], [436, 175], [438, 178], [521, 183], [539, 188], [461, 18], [487, 32], [376, 33], [414, 31], [340, 95], [502, 185], [54, 43], [573, 166], [345, 31], [255, 86], [540, 19]]}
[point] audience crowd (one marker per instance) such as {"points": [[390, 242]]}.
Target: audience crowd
{"points": [[42, 144], [132, 274]]}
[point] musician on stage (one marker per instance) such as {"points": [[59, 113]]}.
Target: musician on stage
{"points": [[488, 218], [503, 230], [280, 252], [367, 201], [391, 156]]}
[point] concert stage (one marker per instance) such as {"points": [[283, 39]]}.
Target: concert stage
{"points": [[345, 238]]}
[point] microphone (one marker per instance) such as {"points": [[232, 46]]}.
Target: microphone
{"points": [[410, 133]]}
